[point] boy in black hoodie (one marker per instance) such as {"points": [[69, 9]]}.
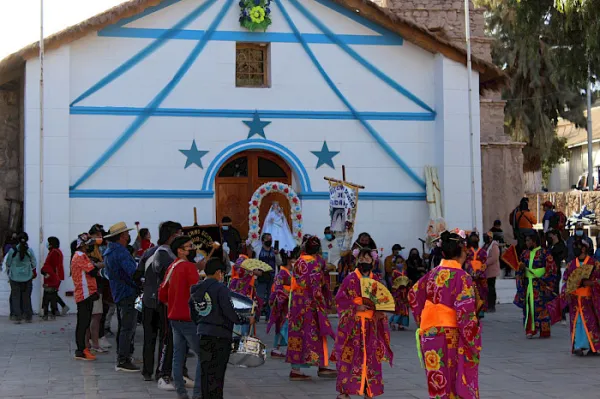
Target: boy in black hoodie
{"points": [[212, 311]]}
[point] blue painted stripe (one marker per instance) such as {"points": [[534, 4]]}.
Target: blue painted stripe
{"points": [[356, 17], [181, 194], [163, 4], [160, 97], [209, 194], [254, 37], [145, 52], [282, 151], [386, 147], [368, 196], [245, 113], [370, 67]]}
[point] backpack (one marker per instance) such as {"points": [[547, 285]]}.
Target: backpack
{"points": [[558, 221]]}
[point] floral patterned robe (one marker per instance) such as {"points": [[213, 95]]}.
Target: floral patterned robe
{"points": [[308, 325], [359, 350], [401, 293], [478, 276], [242, 282], [279, 299], [543, 291], [586, 306], [327, 295], [451, 354]]}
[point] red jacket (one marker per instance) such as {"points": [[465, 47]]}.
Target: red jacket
{"points": [[144, 246], [53, 269], [175, 289]]}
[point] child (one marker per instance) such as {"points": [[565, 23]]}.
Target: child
{"points": [[399, 289], [279, 302]]}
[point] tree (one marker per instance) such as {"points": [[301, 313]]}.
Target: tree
{"points": [[537, 47]]}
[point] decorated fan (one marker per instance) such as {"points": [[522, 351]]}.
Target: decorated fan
{"points": [[510, 257], [255, 264], [378, 294], [583, 272], [401, 281]]}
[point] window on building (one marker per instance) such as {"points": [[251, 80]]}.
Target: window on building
{"points": [[252, 65], [268, 168], [236, 168]]}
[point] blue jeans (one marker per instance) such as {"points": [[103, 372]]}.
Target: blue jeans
{"points": [[184, 337], [127, 321]]}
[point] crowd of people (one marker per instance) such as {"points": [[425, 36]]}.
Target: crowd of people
{"points": [[183, 302]]}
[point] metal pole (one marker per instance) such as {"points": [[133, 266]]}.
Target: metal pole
{"points": [[471, 135], [41, 198], [589, 131]]}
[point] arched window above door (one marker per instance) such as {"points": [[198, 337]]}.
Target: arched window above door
{"points": [[268, 168], [235, 168]]}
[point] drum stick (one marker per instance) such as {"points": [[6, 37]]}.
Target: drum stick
{"points": [[195, 217]]}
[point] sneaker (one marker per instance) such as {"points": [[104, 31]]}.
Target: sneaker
{"points": [[277, 354], [165, 384], [127, 367], [99, 349], [104, 343], [88, 353], [189, 383], [327, 373], [84, 356], [45, 318], [108, 332], [52, 317], [147, 377], [65, 310], [17, 321]]}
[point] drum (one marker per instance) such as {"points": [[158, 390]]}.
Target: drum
{"points": [[242, 304], [248, 352]]}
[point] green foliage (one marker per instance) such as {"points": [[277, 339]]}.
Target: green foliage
{"points": [[540, 50], [255, 14]]}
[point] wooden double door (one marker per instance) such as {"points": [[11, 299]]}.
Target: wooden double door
{"points": [[240, 177]]}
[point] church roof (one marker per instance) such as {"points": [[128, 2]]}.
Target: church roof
{"points": [[491, 77]]}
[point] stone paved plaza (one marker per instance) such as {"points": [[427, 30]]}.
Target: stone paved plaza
{"points": [[36, 361]]}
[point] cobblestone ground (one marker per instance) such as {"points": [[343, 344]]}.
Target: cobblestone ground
{"points": [[36, 361]]}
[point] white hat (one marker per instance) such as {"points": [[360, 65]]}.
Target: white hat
{"points": [[117, 229]]}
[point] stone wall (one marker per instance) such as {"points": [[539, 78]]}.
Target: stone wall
{"points": [[11, 157], [502, 159]]}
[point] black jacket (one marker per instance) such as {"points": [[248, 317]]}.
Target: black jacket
{"points": [[212, 311], [153, 273]]}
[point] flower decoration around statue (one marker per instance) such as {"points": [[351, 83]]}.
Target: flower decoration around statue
{"points": [[295, 208], [255, 14]]}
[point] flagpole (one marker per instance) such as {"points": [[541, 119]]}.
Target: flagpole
{"points": [[470, 97], [41, 197]]}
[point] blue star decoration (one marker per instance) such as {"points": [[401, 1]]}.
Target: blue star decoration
{"points": [[193, 156], [256, 126], [325, 156]]}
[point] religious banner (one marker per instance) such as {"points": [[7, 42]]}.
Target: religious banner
{"points": [[343, 204], [203, 238]]}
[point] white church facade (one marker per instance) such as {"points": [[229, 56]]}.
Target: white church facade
{"points": [[158, 107]]}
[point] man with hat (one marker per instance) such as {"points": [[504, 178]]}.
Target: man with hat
{"points": [[120, 267], [548, 215]]}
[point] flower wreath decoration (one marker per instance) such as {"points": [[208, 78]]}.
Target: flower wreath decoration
{"points": [[255, 14], [295, 207]]}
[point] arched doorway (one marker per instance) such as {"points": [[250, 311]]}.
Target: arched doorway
{"points": [[240, 176]]}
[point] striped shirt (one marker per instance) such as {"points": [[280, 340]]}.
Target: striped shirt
{"points": [[85, 285]]}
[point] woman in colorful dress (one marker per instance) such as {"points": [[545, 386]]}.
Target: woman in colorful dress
{"points": [[535, 287], [242, 282], [279, 302], [308, 324], [583, 303], [399, 289], [363, 338], [449, 336], [476, 266]]}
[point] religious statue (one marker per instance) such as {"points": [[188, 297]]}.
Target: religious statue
{"points": [[276, 224]]}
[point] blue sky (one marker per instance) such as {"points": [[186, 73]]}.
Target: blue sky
{"points": [[20, 19]]}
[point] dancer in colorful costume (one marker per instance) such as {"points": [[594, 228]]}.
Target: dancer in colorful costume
{"points": [[399, 289], [449, 336], [476, 266], [308, 324], [535, 287], [584, 303], [279, 302], [243, 283], [363, 337]]}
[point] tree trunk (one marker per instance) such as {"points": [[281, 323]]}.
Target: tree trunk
{"points": [[532, 182]]}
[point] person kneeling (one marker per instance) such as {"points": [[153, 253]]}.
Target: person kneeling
{"points": [[213, 313]]}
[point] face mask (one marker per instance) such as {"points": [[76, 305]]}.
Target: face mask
{"points": [[191, 257], [268, 243], [225, 228], [328, 237], [474, 243], [579, 233], [397, 253], [577, 252], [365, 267]]}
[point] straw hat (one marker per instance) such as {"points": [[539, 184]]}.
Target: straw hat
{"points": [[117, 229]]}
